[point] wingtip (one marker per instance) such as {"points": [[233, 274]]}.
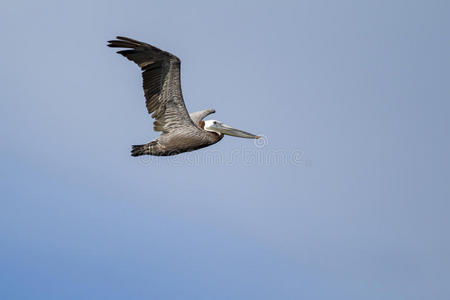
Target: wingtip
{"points": [[113, 43]]}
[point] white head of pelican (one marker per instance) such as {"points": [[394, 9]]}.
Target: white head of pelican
{"points": [[221, 128]]}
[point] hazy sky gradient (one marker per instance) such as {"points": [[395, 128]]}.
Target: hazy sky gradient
{"points": [[354, 95]]}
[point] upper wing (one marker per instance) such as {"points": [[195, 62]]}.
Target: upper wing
{"points": [[161, 74], [200, 115]]}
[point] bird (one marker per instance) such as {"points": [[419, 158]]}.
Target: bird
{"points": [[180, 131]]}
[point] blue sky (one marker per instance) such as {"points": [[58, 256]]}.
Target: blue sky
{"points": [[346, 198]]}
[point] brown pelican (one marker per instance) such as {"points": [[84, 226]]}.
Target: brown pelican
{"points": [[181, 131]]}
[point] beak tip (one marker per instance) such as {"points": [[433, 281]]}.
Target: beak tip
{"points": [[258, 137]]}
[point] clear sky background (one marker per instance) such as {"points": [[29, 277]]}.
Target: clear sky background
{"points": [[346, 198]]}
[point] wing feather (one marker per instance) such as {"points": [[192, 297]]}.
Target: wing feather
{"points": [[161, 83], [200, 115]]}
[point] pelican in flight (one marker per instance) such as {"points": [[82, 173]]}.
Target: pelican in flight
{"points": [[181, 131]]}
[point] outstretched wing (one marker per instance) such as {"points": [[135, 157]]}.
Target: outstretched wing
{"points": [[161, 75], [200, 115]]}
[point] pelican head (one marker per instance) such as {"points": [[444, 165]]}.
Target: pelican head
{"points": [[221, 128]]}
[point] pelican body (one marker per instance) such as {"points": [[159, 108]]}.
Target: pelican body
{"points": [[181, 131]]}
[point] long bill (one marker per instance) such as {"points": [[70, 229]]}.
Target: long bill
{"points": [[228, 130]]}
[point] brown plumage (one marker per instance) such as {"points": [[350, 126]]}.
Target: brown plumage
{"points": [[181, 132]]}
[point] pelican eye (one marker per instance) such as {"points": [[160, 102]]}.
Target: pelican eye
{"points": [[215, 123]]}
